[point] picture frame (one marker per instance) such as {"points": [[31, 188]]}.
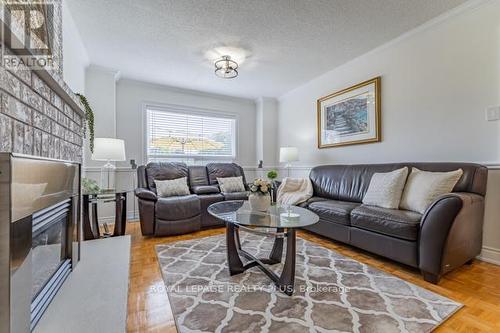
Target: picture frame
{"points": [[350, 116]]}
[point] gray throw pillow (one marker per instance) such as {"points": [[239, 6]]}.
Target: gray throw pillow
{"points": [[231, 184], [174, 187], [423, 187], [385, 189]]}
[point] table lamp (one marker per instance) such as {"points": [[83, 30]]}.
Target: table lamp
{"points": [[109, 150], [288, 155]]}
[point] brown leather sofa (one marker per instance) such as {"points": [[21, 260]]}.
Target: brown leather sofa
{"points": [[182, 214], [446, 236]]}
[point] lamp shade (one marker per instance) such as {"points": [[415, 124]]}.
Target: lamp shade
{"points": [[289, 154], [108, 149]]}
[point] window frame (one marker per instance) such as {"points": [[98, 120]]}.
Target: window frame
{"points": [[189, 110]]}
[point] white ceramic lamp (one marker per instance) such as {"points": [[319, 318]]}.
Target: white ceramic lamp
{"points": [[288, 155], [109, 150]]}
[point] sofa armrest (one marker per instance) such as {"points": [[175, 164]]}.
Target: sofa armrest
{"points": [[145, 194], [205, 189], [147, 206], [450, 233]]}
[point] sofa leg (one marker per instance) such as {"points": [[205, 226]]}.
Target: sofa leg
{"points": [[470, 262], [432, 278]]}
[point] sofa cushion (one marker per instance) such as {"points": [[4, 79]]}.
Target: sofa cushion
{"points": [[222, 170], [208, 199], [177, 208], [333, 210], [164, 171], [205, 201], [197, 175], [403, 224], [236, 196], [310, 201]]}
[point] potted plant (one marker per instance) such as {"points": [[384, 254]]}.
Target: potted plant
{"points": [[272, 175], [260, 195]]}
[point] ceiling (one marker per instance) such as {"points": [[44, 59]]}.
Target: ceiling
{"points": [[286, 42]]}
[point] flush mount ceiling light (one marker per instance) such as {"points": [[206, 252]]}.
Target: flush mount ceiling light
{"points": [[226, 68]]}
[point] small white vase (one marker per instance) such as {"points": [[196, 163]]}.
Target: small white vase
{"points": [[259, 202]]}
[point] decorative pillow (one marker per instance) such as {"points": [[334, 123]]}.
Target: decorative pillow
{"points": [[423, 187], [231, 184], [170, 188], [385, 189]]}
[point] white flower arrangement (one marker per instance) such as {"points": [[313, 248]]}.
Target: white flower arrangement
{"points": [[260, 186]]}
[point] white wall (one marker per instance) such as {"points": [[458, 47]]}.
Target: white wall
{"points": [[75, 57], [436, 83], [100, 90], [131, 95], [266, 129]]}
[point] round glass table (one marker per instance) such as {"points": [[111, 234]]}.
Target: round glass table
{"points": [[283, 219]]}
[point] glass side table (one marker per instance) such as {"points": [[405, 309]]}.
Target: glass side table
{"points": [[89, 210]]}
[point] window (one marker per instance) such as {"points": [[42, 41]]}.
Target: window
{"points": [[189, 136]]}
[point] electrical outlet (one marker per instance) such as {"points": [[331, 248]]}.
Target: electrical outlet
{"points": [[493, 113]]}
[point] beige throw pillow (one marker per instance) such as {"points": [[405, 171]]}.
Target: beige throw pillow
{"points": [[423, 187], [174, 187], [231, 184], [385, 189]]}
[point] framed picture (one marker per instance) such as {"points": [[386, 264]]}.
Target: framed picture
{"points": [[350, 116]]}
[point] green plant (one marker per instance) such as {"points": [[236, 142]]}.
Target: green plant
{"points": [[89, 185], [89, 121], [273, 174]]}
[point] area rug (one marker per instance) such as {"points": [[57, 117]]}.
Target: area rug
{"points": [[332, 292]]}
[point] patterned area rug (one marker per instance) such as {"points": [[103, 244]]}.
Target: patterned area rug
{"points": [[332, 293]]}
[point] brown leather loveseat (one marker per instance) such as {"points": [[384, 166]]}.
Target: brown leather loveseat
{"points": [[182, 214], [446, 236]]}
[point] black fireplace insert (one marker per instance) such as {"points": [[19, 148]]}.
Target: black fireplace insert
{"points": [[39, 235]]}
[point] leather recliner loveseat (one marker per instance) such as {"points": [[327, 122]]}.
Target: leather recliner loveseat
{"points": [[446, 236], [182, 214]]}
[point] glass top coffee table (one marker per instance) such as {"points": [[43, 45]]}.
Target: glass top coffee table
{"points": [[285, 219]]}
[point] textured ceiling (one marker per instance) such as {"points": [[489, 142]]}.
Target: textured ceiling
{"points": [[288, 42]]}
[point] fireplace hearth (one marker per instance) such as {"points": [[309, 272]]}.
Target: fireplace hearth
{"points": [[39, 235]]}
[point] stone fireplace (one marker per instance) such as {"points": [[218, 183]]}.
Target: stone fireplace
{"points": [[41, 125], [39, 114], [36, 120]]}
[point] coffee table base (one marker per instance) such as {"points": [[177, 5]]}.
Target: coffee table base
{"points": [[285, 282]]}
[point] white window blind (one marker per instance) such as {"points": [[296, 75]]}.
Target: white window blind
{"points": [[189, 137]]}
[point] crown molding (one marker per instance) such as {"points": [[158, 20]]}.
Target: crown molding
{"points": [[111, 71]]}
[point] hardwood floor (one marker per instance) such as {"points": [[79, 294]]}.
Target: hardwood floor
{"points": [[474, 285]]}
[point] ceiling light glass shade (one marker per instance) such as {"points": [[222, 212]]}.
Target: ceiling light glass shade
{"points": [[226, 68]]}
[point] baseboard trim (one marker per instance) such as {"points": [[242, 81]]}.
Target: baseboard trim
{"points": [[490, 255]]}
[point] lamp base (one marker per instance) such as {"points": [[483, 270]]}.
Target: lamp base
{"points": [[108, 177]]}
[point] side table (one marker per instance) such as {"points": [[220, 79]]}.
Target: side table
{"points": [[91, 223]]}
